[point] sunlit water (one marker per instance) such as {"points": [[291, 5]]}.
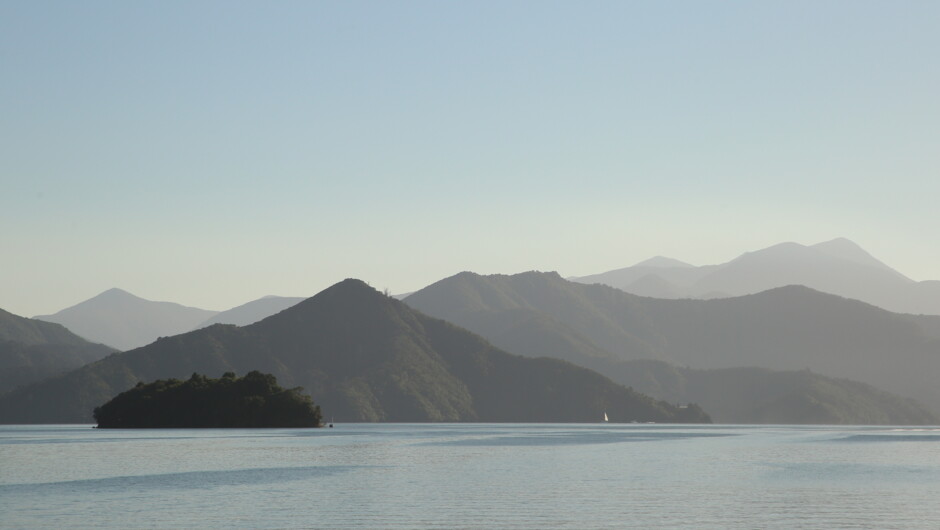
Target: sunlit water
{"points": [[471, 476]]}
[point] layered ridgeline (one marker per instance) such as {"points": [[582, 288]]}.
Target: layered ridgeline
{"points": [[252, 312], [760, 395], [838, 267], [119, 319], [789, 328], [31, 350], [362, 356]]}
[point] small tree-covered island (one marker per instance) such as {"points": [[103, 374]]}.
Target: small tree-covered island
{"points": [[255, 400]]}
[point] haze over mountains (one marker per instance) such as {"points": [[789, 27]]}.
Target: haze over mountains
{"points": [[788, 328], [124, 321], [785, 354], [252, 312], [761, 395], [362, 356], [31, 350], [838, 267]]}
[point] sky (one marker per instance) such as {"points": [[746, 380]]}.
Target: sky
{"points": [[213, 152]]}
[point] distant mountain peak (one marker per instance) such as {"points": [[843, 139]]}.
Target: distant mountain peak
{"points": [[839, 249], [663, 262], [352, 291], [836, 266], [840, 241], [116, 293], [356, 285], [843, 248], [841, 245], [122, 320]]}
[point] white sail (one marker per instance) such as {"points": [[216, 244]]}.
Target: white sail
{"points": [[605, 417]]}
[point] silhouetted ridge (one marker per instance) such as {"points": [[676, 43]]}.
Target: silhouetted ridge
{"points": [[785, 328], [362, 356]]}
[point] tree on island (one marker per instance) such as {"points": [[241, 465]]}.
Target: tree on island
{"points": [[254, 400]]}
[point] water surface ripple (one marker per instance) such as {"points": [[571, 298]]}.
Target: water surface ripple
{"points": [[471, 476]]}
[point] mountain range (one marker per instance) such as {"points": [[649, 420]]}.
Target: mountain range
{"points": [[841, 267], [362, 356], [783, 329], [734, 338], [31, 350], [838, 267]]}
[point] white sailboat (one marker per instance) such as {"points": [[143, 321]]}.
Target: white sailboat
{"points": [[605, 417]]}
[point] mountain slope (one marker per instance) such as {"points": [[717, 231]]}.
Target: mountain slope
{"points": [[252, 312], [362, 356], [492, 306], [789, 328], [849, 250], [124, 321], [759, 395], [31, 350], [673, 280]]}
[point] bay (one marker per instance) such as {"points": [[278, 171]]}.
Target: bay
{"points": [[472, 476]]}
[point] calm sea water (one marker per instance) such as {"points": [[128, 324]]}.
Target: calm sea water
{"points": [[471, 476]]}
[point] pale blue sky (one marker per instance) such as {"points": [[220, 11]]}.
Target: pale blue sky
{"points": [[211, 153]]}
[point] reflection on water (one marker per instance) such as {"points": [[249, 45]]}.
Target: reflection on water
{"points": [[471, 476]]}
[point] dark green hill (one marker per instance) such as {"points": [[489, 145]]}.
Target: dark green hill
{"points": [[785, 329], [252, 401], [31, 350], [362, 356]]}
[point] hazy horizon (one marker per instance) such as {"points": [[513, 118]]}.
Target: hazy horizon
{"points": [[397, 293], [210, 154]]}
